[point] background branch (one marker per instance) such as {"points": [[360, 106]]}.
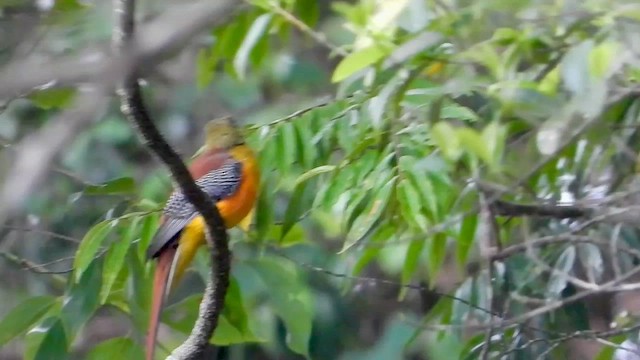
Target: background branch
{"points": [[154, 43], [133, 107]]}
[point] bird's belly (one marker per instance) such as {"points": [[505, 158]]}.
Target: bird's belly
{"points": [[237, 206]]}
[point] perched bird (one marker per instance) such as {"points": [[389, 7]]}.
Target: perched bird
{"points": [[227, 171]]}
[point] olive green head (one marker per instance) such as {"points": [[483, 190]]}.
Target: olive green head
{"points": [[222, 133]]}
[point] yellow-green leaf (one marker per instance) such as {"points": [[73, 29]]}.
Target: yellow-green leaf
{"points": [[357, 61]]}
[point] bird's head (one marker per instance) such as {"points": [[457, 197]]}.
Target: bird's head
{"points": [[222, 133]]}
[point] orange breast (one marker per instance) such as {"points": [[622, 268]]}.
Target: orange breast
{"points": [[236, 207]]}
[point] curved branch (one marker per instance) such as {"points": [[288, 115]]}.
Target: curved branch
{"points": [[132, 105]]}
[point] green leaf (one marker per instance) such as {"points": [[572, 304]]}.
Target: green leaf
{"points": [[314, 172], [116, 348], [295, 235], [608, 351], [82, 300], [139, 286], [54, 344], [300, 201], [255, 33], [307, 151], [601, 59], [446, 139], [206, 62], [410, 204], [473, 142], [457, 112], [89, 247], [123, 185], [114, 259], [414, 253], [494, 136], [264, 210], [436, 254], [366, 222], [147, 232], [55, 98], [34, 337], [466, 238], [68, 5], [308, 11], [290, 299], [422, 183], [357, 61], [233, 326], [23, 316]]}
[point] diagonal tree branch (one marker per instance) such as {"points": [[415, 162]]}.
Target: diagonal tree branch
{"points": [[133, 107]]}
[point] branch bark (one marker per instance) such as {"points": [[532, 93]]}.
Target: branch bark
{"points": [[505, 208], [132, 105]]}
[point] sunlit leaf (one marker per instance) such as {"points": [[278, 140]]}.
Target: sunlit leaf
{"points": [[473, 142], [54, 98], [601, 59], [357, 61], [445, 137], [68, 5]]}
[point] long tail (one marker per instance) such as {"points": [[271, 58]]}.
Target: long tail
{"points": [[160, 280]]}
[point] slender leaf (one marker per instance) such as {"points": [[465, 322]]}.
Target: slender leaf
{"points": [[89, 247], [357, 61], [23, 316], [366, 222], [436, 254], [123, 185], [255, 33], [115, 258], [54, 344], [466, 238]]}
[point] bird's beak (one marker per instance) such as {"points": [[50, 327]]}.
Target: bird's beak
{"points": [[199, 152]]}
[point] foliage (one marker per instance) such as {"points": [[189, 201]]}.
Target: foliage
{"points": [[436, 101]]}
